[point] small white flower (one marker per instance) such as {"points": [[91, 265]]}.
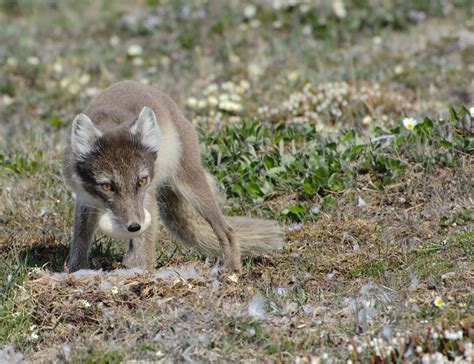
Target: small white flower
{"points": [[135, 50], [398, 69], [339, 8], [235, 97], [277, 24], [409, 123], [84, 79], [438, 302], [58, 67], [240, 90], [471, 112], [233, 278], [367, 120], [307, 30], [426, 359], [293, 75], [451, 335], [377, 40], [304, 8], [250, 11], [277, 4], [114, 41], [84, 304], [213, 101], [192, 102], [228, 86], [202, 104], [64, 83], [244, 84], [230, 106], [224, 97], [34, 61], [36, 270], [114, 290]]}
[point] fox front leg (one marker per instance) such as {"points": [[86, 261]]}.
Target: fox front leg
{"points": [[85, 224], [141, 250]]}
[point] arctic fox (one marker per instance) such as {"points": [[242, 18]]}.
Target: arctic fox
{"points": [[132, 158]]}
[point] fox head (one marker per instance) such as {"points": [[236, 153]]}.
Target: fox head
{"points": [[115, 168]]}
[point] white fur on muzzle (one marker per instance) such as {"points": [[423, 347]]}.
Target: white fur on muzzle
{"points": [[109, 226]]}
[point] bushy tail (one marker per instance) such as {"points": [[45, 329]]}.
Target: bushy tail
{"points": [[255, 236]]}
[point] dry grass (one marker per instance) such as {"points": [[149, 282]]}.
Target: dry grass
{"points": [[314, 292]]}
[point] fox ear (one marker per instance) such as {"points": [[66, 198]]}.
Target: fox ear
{"points": [[83, 135], [147, 127]]}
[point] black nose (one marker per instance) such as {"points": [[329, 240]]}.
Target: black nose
{"points": [[133, 227]]}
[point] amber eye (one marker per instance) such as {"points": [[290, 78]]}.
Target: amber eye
{"points": [[142, 182], [107, 187]]}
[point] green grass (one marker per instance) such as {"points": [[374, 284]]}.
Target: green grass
{"points": [[94, 356], [15, 325], [255, 163]]}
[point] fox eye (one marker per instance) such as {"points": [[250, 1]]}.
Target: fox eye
{"points": [[107, 187], [142, 182]]}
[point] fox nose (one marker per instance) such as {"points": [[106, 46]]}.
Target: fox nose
{"points": [[133, 227]]}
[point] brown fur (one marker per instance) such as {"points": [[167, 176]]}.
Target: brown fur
{"points": [[186, 197]]}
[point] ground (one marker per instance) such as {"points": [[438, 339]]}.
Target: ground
{"points": [[346, 121]]}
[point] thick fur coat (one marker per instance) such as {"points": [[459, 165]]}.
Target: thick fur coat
{"points": [[133, 158]]}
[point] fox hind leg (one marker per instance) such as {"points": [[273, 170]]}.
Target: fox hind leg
{"points": [[201, 196]]}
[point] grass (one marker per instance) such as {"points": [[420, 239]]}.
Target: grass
{"points": [[299, 112]]}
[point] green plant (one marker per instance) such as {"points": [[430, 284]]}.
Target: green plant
{"points": [[255, 163]]}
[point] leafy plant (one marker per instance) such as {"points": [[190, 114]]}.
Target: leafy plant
{"points": [[21, 164], [255, 163]]}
